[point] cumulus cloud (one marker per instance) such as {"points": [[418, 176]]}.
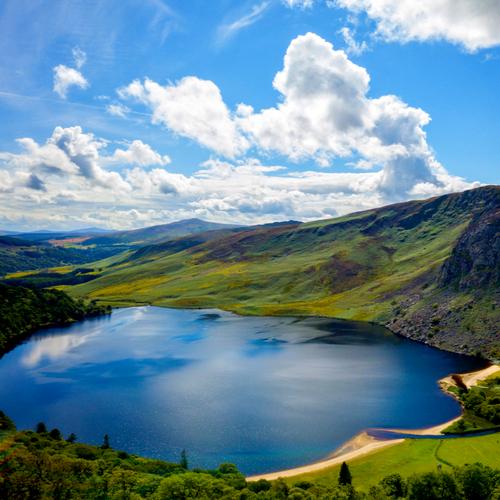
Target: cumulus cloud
{"points": [[324, 110], [324, 113], [192, 108], [68, 152], [139, 153], [65, 78], [470, 23], [68, 180]]}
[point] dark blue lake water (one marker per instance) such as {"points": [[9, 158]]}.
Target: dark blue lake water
{"points": [[263, 393]]}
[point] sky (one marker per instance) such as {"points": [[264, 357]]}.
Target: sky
{"points": [[123, 114]]}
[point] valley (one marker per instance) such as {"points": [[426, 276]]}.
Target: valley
{"points": [[428, 270]]}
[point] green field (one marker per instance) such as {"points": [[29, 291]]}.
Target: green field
{"points": [[413, 456]]}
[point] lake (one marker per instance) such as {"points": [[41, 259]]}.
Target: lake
{"points": [[264, 393]]}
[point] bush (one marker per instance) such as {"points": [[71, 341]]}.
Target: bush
{"points": [[433, 486]]}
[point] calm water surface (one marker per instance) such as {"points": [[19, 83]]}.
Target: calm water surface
{"points": [[264, 393]]}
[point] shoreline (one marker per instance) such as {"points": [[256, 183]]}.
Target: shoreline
{"points": [[364, 444]]}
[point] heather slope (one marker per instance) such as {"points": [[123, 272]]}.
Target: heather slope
{"points": [[390, 265]]}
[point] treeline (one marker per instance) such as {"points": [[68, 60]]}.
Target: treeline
{"points": [[481, 405], [44, 465], [24, 310]]}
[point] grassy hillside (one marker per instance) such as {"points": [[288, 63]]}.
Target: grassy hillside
{"points": [[21, 255], [395, 265], [44, 250]]}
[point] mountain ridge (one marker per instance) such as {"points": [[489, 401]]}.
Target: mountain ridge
{"points": [[381, 265]]}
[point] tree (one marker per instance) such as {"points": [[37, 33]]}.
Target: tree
{"points": [[6, 424], [184, 461], [477, 480], [55, 434], [71, 438], [394, 486], [433, 486], [41, 428], [105, 443], [345, 475]]}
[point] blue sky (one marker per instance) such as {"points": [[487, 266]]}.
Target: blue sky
{"points": [[295, 161]]}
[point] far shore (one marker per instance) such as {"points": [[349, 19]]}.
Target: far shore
{"points": [[364, 444]]}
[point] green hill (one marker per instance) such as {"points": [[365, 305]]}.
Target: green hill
{"points": [[18, 254], [428, 269], [44, 249]]}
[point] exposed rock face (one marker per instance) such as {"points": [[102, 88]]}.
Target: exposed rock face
{"points": [[461, 312], [475, 260]]}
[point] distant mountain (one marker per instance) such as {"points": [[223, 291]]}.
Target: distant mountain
{"points": [[91, 230], [44, 249], [428, 269], [46, 235], [163, 232]]}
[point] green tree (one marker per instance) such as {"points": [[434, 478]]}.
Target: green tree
{"points": [[183, 462], [71, 438], [279, 489], [478, 481], [260, 485], [41, 428], [105, 442], [193, 485], [433, 486], [6, 424], [345, 475], [55, 434], [394, 486]]}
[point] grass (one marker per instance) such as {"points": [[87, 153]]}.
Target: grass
{"points": [[413, 456], [308, 270]]}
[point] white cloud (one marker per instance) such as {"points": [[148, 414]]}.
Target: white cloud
{"points": [[301, 4], [192, 108], [119, 110], [352, 46], [470, 23], [139, 153], [79, 57], [75, 185], [226, 31], [69, 153], [325, 113], [65, 78]]}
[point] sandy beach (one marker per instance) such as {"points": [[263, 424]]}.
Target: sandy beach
{"points": [[364, 444], [469, 379], [359, 445]]}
